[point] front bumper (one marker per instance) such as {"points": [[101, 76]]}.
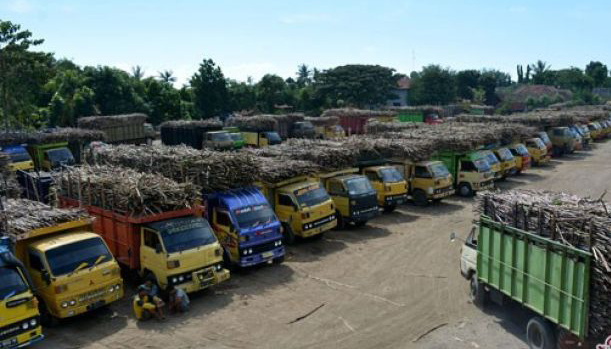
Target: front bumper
{"points": [[23, 340], [443, 193], [363, 215], [261, 257], [204, 278], [487, 185], [91, 302], [319, 226], [394, 200]]}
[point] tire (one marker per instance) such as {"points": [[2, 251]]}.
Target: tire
{"points": [[360, 224], [227, 264], [464, 190], [46, 319], [389, 209], [420, 198], [437, 200], [288, 237], [540, 334], [477, 294], [318, 236], [340, 221], [278, 260]]}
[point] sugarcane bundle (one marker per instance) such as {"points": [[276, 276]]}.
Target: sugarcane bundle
{"points": [[579, 222], [353, 112], [424, 109], [375, 126], [276, 169], [21, 216], [106, 121], [323, 121], [374, 146], [125, 190], [205, 124], [254, 123], [210, 170], [8, 182], [66, 134]]}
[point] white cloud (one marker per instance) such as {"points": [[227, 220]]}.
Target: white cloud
{"points": [[305, 18], [20, 6]]}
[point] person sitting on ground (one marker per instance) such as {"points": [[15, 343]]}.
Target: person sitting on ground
{"points": [[153, 292], [144, 308], [179, 301]]}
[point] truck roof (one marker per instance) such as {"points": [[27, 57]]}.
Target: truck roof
{"points": [[63, 239], [12, 149], [169, 224], [242, 197]]}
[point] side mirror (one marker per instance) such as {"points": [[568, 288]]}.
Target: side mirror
{"points": [[46, 277], [295, 208], [231, 229], [158, 249]]}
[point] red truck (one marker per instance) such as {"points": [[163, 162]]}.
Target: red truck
{"points": [[170, 248]]}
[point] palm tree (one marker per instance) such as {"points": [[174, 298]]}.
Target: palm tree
{"points": [[137, 72], [539, 70], [304, 75], [167, 76]]}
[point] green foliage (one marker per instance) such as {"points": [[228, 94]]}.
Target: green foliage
{"points": [[434, 85], [114, 91], [598, 72], [270, 91], [573, 79], [466, 82], [356, 85], [210, 96], [242, 95]]}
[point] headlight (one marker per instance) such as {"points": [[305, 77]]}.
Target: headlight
{"points": [[250, 251], [174, 280], [352, 202], [181, 278], [25, 325], [72, 303], [430, 190], [111, 289], [33, 322], [245, 252], [64, 304], [219, 267]]}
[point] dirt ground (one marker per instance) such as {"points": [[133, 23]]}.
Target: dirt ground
{"points": [[392, 284]]}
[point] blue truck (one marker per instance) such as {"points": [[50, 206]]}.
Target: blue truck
{"points": [[20, 158], [246, 226]]}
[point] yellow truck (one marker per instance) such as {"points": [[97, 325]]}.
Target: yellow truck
{"points": [[493, 161], [354, 197], [333, 132], [20, 158], [538, 151], [261, 139], [71, 267], [509, 166], [19, 319], [302, 206], [426, 180], [389, 184]]}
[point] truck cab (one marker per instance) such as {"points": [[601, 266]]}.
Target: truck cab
{"points": [[354, 197], [468, 255], [72, 269], [563, 141], [426, 180], [333, 132], [470, 171], [218, 140], [303, 129], [20, 320], [302, 205], [20, 158], [236, 137], [245, 226], [595, 131], [508, 162], [520, 153], [495, 164], [584, 137], [537, 150], [548, 142], [389, 184], [261, 139], [51, 156]]}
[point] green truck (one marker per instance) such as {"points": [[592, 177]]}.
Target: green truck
{"points": [[470, 170], [51, 156], [236, 136], [546, 277]]}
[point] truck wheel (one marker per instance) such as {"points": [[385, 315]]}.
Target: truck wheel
{"points": [[288, 236], [360, 223], [540, 334], [318, 236], [46, 319], [477, 294], [340, 221], [464, 189], [420, 198], [389, 209], [278, 260]]}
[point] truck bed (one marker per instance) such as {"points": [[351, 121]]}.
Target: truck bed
{"points": [[545, 276]]}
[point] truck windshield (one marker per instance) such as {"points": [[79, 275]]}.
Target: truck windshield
{"points": [[252, 216], [358, 186], [521, 149], [60, 156], [20, 156], [544, 137], [482, 165], [391, 175], [273, 137], [439, 170], [188, 234], [311, 196], [66, 258], [505, 154], [538, 143], [236, 137], [11, 283], [220, 137], [491, 158]]}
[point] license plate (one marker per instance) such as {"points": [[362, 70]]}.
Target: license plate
{"points": [[205, 283], [95, 305], [8, 343], [400, 202], [267, 254]]}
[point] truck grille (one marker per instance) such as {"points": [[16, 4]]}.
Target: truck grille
{"points": [[93, 295], [264, 247], [443, 190], [16, 328], [319, 222]]}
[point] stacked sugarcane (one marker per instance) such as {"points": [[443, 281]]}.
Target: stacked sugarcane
{"points": [[21, 216], [213, 123], [544, 118], [353, 112], [278, 169], [105, 121], [375, 126], [51, 136], [579, 222], [124, 190], [323, 121], [388, 147], [254, 123], [8, 183], [210, 170]]}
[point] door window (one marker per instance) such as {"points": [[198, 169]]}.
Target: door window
{"points": [[223, 219], [422, 172], [336, 188], [285, 200], [372, 176], [467, 166], [35, 261], [151, 239]]}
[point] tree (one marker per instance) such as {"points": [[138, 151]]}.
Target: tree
{"points": [[137, 73], [434, 85], [163, 100], [209, 86], [541, 72], [242, 96], [598, 72], [357, 85], [22, 73], [167, 76], [304, 76], [520, 73], [573, 79], [270, 91], [466, 82], [114, 91], [71, 98]]}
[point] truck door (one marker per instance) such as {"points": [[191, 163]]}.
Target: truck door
{"points": [[423, 179], [39, 274], [339, 194], [285, 208], [263, 142], [151, 253], [226, 233], [376, 183]]}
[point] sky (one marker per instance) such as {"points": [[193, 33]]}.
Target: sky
{"points": [[252, 38]]}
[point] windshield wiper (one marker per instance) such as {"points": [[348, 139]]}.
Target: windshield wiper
{"points": [[11, 294], [100, 259], [79, 267]]}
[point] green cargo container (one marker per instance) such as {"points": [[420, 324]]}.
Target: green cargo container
{"points": [[410, 116], [545, 276]]}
